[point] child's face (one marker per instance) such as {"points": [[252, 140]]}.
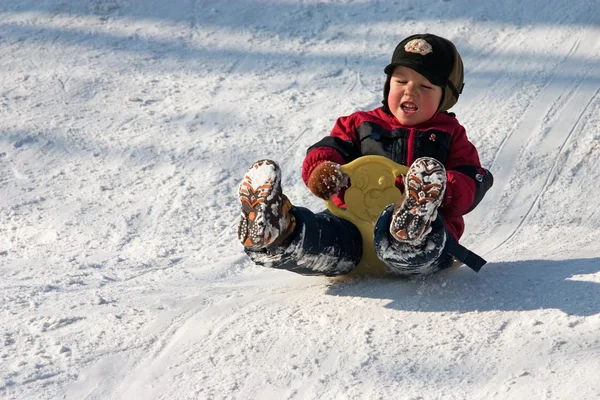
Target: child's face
{"points": [[412, 98]]}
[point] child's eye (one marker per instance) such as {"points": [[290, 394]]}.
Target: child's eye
{"points": [[400, 81], [426, 87]]}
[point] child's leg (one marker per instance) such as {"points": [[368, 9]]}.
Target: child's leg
{"points": [[403, 258], [409, 237], [276, 235], [321, 244]]}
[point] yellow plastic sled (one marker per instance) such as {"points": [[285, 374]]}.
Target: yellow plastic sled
{"points": [[373, 188]]}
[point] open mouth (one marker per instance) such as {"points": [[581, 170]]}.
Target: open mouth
{"points": [[409, 107]]}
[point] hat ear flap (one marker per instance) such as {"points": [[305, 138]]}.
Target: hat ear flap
{"points": [[455, 83], [448, 99], [386, 93]]}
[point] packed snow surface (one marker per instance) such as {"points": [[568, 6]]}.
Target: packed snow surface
{"points": [[126, 127]]}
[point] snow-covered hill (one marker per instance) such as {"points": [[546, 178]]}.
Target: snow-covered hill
{"points": [[125, 127]]}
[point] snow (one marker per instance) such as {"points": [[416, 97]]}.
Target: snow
{"points": [[126, 127]]}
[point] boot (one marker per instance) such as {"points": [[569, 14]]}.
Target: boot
{"points": [[425, 185], [265, 218]]}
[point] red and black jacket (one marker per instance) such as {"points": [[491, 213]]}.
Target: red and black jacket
{"points": [[377, 133]]}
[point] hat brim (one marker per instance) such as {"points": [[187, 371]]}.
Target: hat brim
{"points": [[436, 80]]}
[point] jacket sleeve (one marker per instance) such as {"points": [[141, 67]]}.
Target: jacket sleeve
{"points": [[341, 147], [467, 181]]}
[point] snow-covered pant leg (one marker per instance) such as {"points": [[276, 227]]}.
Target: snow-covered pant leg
{"points": [[321, 244], [406, 259]]}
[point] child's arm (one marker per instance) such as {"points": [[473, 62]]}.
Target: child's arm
{"points": [[467, 180], [341, 147]]}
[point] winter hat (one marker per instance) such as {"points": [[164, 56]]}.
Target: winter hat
{"points": [[433, 57]]}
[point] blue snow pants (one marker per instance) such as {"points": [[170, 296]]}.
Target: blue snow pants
{"points": [[323, 244]]}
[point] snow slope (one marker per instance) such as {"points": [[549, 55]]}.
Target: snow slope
{"points": [[125, 127]]}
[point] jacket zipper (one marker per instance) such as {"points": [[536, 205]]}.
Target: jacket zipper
{"points": [[409, 147]]}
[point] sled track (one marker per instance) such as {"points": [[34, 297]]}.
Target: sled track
{"points": [[533, 103], [514, 148], [482, 99], [551, 175]]}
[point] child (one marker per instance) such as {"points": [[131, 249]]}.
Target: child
{"points": [[424, 80]]}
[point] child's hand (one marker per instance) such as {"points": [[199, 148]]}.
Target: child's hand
{"points": [[326, 180]]}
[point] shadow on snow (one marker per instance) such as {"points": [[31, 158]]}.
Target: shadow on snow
{"points": [[232, 13], [509, 286]]}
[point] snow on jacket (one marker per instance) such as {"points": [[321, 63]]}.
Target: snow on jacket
{"points": [[377, 133]]}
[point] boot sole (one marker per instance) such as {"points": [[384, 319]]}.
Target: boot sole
{"points": [[258, 197], [412, 220]]}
